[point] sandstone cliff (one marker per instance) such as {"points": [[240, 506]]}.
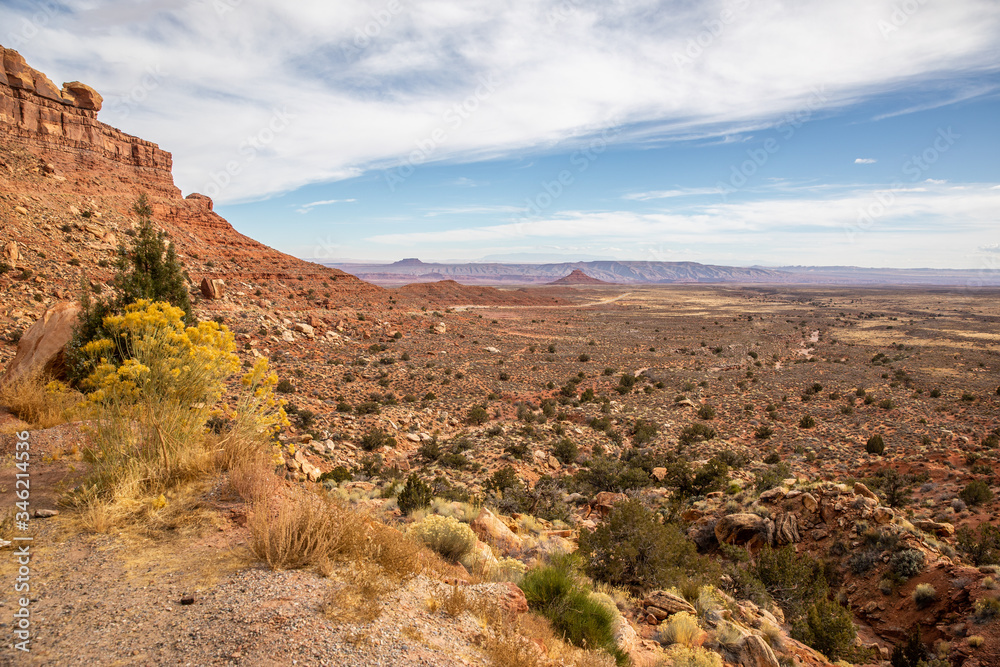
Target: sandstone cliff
{"points": [[67, 185]]}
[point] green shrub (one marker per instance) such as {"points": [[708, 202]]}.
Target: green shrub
{"points": [[807, 421], [771, 477], [376, 438], [632, 548], [906, 563], [982, 551], [477, 415], [706, 412], [147, 269], [828, 628], [565, 451], [446, 535], [763, 432], [643, 432], [557, 593], [337, 475], [285, 387], [696, 433], [875, 445], [416, 494], [976, 492]]}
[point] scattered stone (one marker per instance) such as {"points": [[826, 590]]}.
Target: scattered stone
{"points": [[213, 289], [46, 514]]}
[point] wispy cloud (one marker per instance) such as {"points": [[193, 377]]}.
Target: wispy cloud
{"points": [[471, 210], [668, 194], [306, 208], [908, 232], [865, 160], [354, 105]]}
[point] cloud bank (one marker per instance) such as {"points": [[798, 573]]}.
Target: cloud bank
{"points": [[258, 97]]}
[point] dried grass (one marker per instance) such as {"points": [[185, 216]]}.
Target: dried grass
{"points": [[29, 399]]}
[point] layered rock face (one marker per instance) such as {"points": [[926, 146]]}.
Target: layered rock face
{"points": [[61, 128], [61, 168]]}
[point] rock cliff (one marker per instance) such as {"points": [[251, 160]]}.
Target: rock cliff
{"points": [[68, 183]]}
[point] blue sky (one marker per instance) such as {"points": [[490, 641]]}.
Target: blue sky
{"points": [[734, 132]]}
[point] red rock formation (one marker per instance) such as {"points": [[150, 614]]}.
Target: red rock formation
{"points": [[54, 152], [578, 277], [62, 129]]}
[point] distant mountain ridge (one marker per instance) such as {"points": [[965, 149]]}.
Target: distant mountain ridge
{"points": [[412, 270]]}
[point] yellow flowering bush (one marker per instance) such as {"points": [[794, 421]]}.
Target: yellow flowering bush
{"points": [[163, 359], [257, 418], [153, 384]]}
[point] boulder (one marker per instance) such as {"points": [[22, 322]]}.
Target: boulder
{"points": [[512, 599], [940, 529], [493, 531], [666, 603], [42, 347], [809, 502], [786, 529], [213, 289], [862, 490], [440, 328], [754, 652], [609, 498], [744, 528], [773, 495], [83, 96], [11, 254], [883, 515]]}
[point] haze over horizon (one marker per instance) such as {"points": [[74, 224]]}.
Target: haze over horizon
{"points": [[740, 132]]}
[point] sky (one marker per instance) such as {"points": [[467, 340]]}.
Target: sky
{"points": [[735, 132]]}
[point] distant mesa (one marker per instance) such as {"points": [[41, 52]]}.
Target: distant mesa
{"points": [[409, 261], [578, 277]]}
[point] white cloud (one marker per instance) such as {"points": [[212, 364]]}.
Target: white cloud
{"points": [[667, 194], [306, 208], [292, 93], [900, 227], [865, 160]]}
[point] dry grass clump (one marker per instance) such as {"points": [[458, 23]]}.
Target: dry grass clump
{"points": [[682, 628], [39, 400], [446, 535], [681, 656], [304, 529]]}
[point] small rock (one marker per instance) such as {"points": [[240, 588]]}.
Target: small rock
{"points": [[187, 599], [46, 514]]}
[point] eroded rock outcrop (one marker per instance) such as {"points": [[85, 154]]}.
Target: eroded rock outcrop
{"points": [[41, 348]]}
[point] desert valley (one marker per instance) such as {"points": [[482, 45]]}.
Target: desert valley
{"points": [[730, 467]]}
